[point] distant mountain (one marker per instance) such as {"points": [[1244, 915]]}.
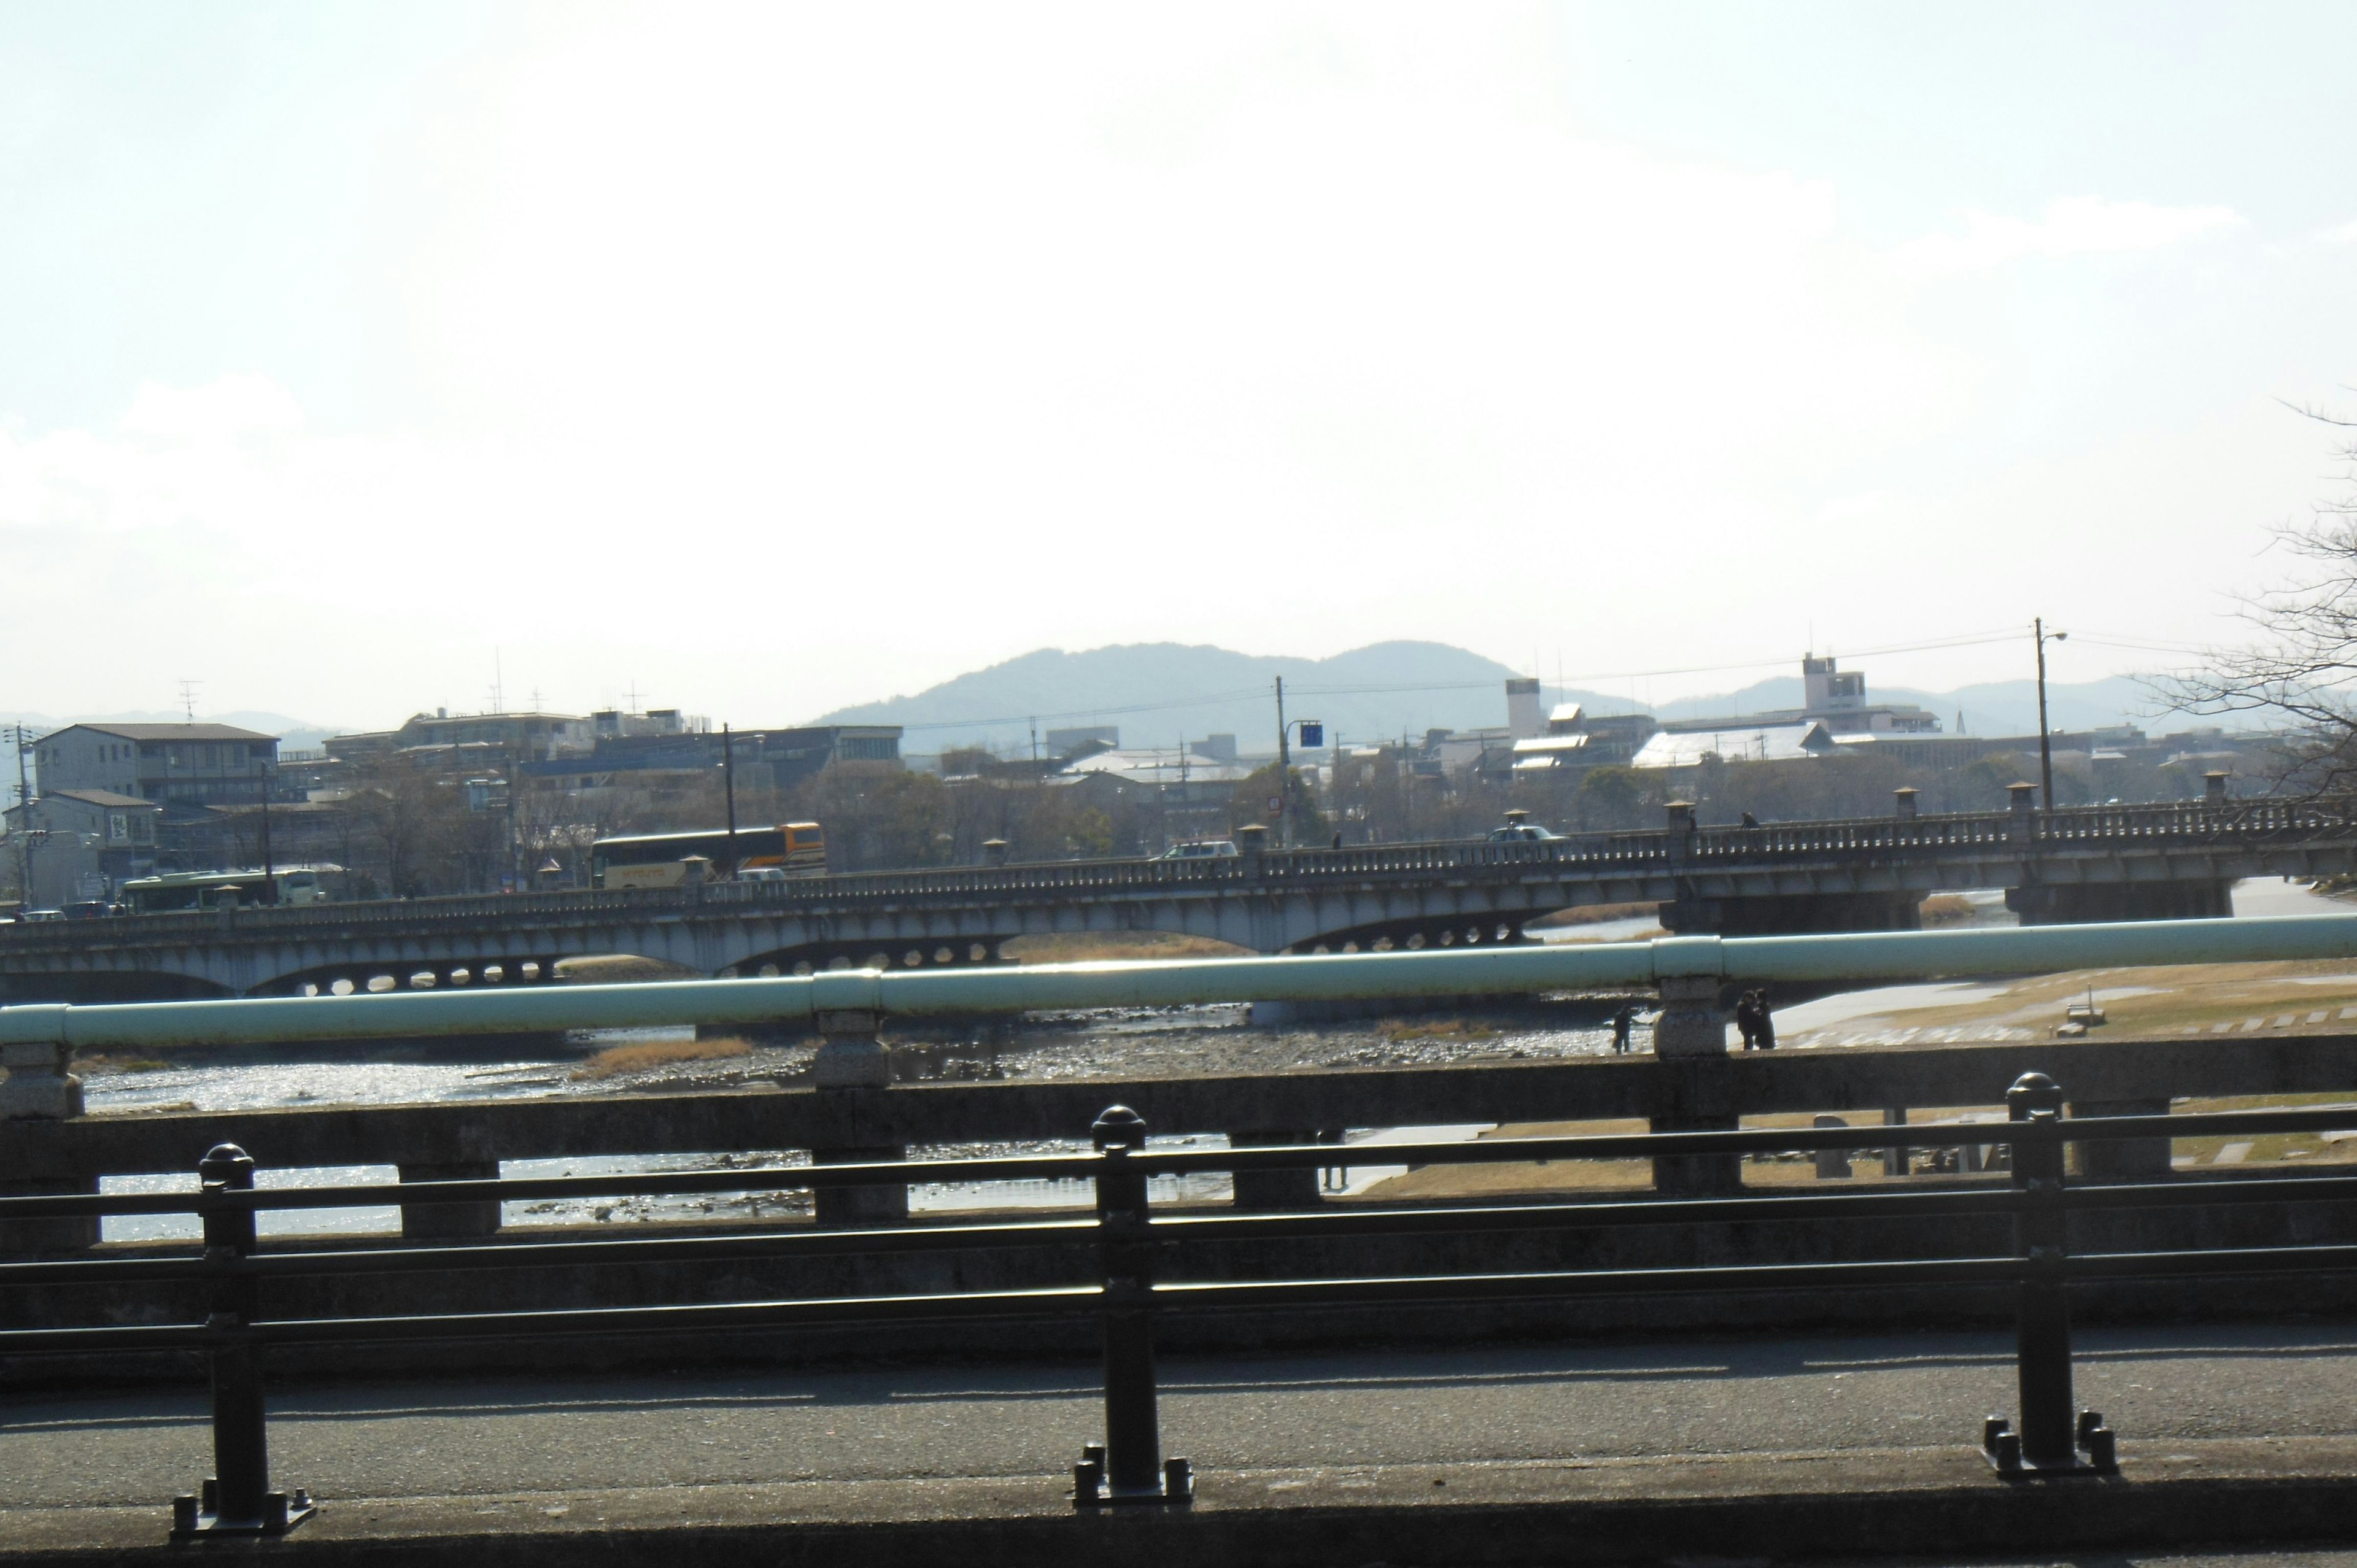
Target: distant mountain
{"points": [[1160, 693]]}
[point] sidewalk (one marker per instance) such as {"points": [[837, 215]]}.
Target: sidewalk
{"points": [[1735, 1448]]}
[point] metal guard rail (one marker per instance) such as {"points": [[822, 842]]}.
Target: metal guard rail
{"points": [[2190, 823], [2054, 1438], [967, 993]]}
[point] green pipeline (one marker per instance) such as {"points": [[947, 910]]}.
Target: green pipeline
{"points": [[1496, 972]]}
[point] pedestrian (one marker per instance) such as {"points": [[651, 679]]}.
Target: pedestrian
{"points": [[1749, 820], [1746, 1019], [1621, 1023], [1764, 1022]]}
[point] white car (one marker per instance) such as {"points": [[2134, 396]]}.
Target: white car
{"points": [[1202, 849]]}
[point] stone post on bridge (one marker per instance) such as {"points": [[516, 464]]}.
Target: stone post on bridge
{"points": [[1904, 803], [2021, 801], [2214, 790]]}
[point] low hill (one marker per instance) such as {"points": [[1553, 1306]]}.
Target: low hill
{"points": [[1162, 692]]}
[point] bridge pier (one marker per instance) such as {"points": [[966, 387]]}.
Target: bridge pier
{"points": [[2123, 1159], [1691, 1031], [1795, 914], [2083, 903], [449, 1221], [1262, 1192], [851, 1059]]}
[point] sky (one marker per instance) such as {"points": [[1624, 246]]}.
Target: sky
{"points": [[360, 359]]}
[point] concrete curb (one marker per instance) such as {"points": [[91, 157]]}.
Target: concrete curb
{"points": [[1800, 1505]]}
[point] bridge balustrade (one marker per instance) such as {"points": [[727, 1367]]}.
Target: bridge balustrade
{"points": [[1129, 1269], [2243, 822]]}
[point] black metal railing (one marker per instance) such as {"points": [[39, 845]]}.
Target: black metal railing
{"points": [[1117, 1259]]}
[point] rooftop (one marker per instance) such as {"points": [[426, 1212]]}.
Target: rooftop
{"points": [[173, 732]]}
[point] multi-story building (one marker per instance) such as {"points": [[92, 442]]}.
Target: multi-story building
{"points": [[77, 845], [185, 765]]}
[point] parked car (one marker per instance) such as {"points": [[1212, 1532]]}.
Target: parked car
{"points": [[1201, 849]]}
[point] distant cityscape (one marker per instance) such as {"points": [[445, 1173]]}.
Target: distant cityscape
{"points": [[475, 802]]}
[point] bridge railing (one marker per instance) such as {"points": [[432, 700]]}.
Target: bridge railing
{"points": [[2238, 822], [1128, 1268]]}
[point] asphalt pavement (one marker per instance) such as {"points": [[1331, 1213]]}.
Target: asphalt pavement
{"points": [[1681, 1397]]}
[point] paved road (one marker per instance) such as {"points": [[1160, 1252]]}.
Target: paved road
{"points": [[1524, 1403]]}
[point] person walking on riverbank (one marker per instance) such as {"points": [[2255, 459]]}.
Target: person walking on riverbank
{"points": [[1622, 1022]]}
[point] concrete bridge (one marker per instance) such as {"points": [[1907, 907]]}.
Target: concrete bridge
{"points": [[2069, 865]]}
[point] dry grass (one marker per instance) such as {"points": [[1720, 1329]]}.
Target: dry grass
{"points": [[618, 969], [1434, 1029], [1596, 914], [2178, 1000], [1088, 947], [1946, 909], [647, 1055], [103, 1063]]}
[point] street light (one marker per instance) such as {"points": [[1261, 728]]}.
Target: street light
{"points": [[2045, 731]]}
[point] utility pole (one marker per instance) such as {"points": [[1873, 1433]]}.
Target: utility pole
{"points": [[21, 737], [2045, 731], [728, 787], [1284, 772]]}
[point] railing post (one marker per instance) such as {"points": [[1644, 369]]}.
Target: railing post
{"points": [[237, 1498], [1894, 1158], [1127, 1466], [2052, 1431]]}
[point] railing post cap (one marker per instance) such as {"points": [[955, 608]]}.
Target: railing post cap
{"points": [[226, 1162], [1118, 1127], [2033, 1092]]}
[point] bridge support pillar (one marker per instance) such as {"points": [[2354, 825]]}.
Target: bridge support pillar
{"points": [[1268, 1191], [449, 1221], [48, 1235], [2086, 903], [38, 1086], [2123, 1159], [1691, 1031], [851, 1060]]}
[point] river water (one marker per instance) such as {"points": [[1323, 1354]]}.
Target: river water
{"points": [[1153, 1044]]}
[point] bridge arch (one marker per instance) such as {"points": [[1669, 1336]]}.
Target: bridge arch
{"points": [[362, 977], [1434, 933], [88, 987], [872, 952]]}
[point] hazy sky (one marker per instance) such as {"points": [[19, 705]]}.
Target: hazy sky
{"points": [[773, 357]]}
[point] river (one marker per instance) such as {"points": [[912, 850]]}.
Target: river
{"points": [[1156, 1044]]}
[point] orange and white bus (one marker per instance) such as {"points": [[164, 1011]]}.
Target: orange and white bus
{"points": [[660, 860]]}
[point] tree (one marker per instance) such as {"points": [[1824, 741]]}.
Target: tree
{"points": [[1611, 799], [2303, 665]]}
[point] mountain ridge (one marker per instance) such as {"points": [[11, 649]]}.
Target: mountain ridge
{"points": [[1160, 693]]}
